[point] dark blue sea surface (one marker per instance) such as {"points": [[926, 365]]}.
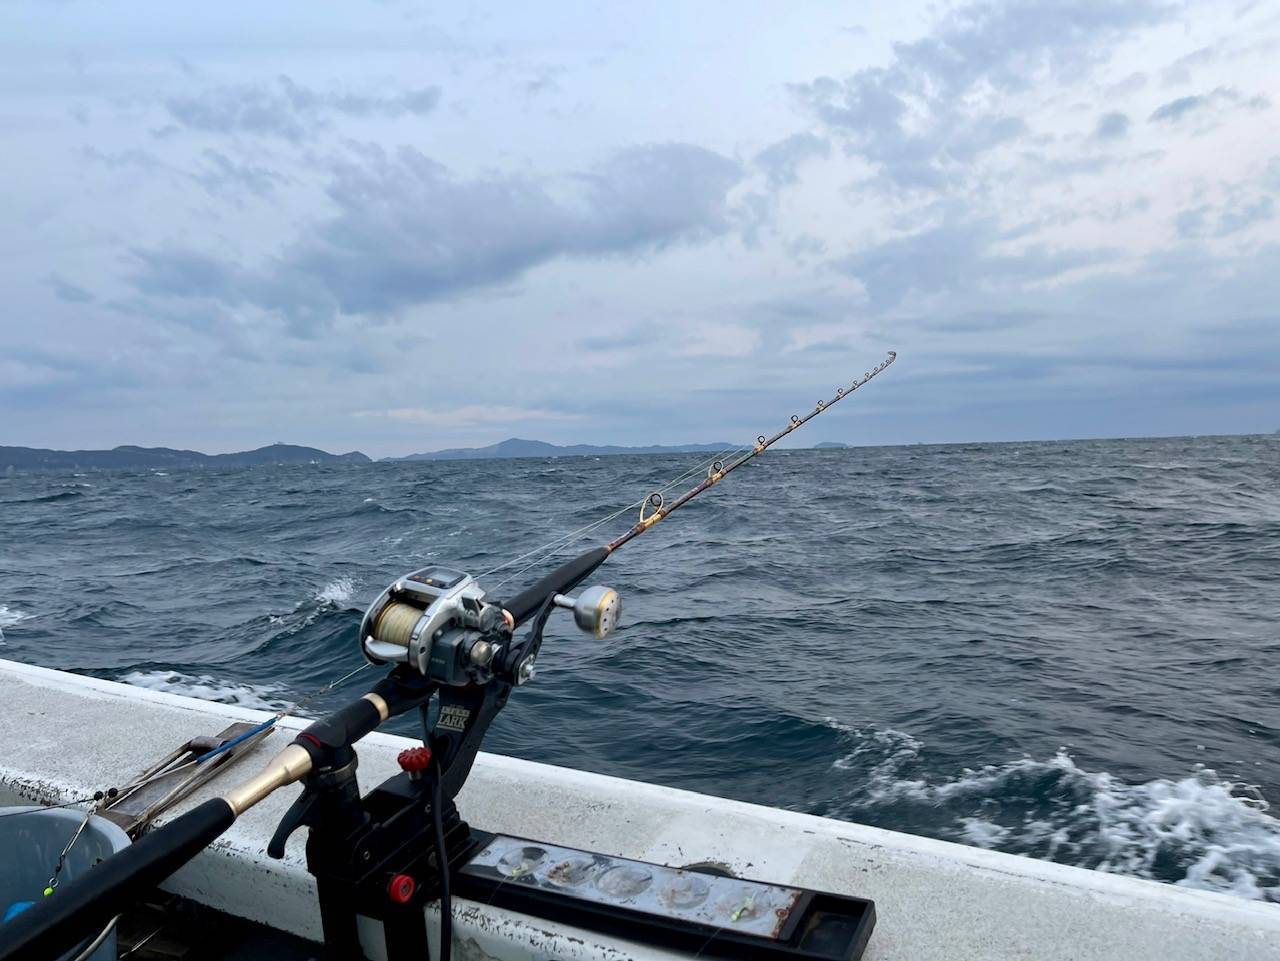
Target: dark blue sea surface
{"points": [[1067, 650]]}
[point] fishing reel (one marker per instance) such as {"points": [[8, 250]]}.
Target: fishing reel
{"points": [[439, 622]]}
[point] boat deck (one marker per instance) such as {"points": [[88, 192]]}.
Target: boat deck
{"points": [[63, 736]]}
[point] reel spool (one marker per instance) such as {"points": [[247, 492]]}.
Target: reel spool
{"points": [[438, 622]]}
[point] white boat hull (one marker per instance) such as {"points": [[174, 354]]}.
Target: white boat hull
{"points": [[64, 735]]}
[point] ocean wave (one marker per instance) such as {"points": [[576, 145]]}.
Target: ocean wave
{"points": [[1201, 831], [337, 591], [62, 495], [263, 697], [9, 616], [993, 603]]}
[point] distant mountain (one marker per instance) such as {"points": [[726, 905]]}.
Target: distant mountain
{"points": [[830, 445], [130, 457], [515, 447]]}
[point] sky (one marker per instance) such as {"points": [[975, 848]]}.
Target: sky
{"points": [[395, 227]]}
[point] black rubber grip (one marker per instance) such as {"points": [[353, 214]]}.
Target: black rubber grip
{"points": [[403, 690], [342, 728], [565, 578], [81, 908]]}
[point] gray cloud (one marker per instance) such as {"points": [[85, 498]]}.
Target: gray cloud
{"points": [[805, 247], [621, 340], [1128, 86], [1271, 176], [979, 321], [1242, 216], [1176, 110], [1193, 222], [918, 118], [955, 257], [174, 272], [223, 176], [1179, 71], [69, 292], [287, 109], [781, 161], [1112, 126], [407, 231], [123, 159]]}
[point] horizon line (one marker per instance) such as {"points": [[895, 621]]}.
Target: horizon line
{"points": [[627, 448]]}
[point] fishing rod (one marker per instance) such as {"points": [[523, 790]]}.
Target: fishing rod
{"points": [[527, 601], [386, 854]]}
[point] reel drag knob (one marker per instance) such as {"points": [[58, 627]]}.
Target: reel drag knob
{"points": [[596, 610]]}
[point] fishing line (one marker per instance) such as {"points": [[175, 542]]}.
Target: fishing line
{"points": [[96, 943], [544, 550], [717, 467], [720, 469], [48, 807]]}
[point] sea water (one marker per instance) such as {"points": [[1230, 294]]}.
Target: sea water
{"points": [[1068, 650]]}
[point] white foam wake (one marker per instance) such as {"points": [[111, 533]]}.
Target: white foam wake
{"points": [[1200, 831], [263, 697]]}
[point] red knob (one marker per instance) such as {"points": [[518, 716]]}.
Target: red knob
{"points": [[400, 890], [415, 760]]}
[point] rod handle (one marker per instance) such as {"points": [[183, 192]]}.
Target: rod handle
{"points": [[564, 578]]}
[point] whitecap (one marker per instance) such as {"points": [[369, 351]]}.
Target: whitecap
{"points": [[10, 616], [983, 834], [263, 697], [337, 591], [1200, 831]]}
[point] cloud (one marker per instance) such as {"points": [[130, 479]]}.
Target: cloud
{"points": [[1193, 222], [60, 371], [1241, 216], [471, 415], [1112, 126], [408, 231], [176, 272], [64, 290], [223, 176], [1271, 176], [781, 161], [1127, 87], [620, 340], [124, 159], [956, 256], [939, 103], [1175, 110], [286, 109], [1179, 71]]}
